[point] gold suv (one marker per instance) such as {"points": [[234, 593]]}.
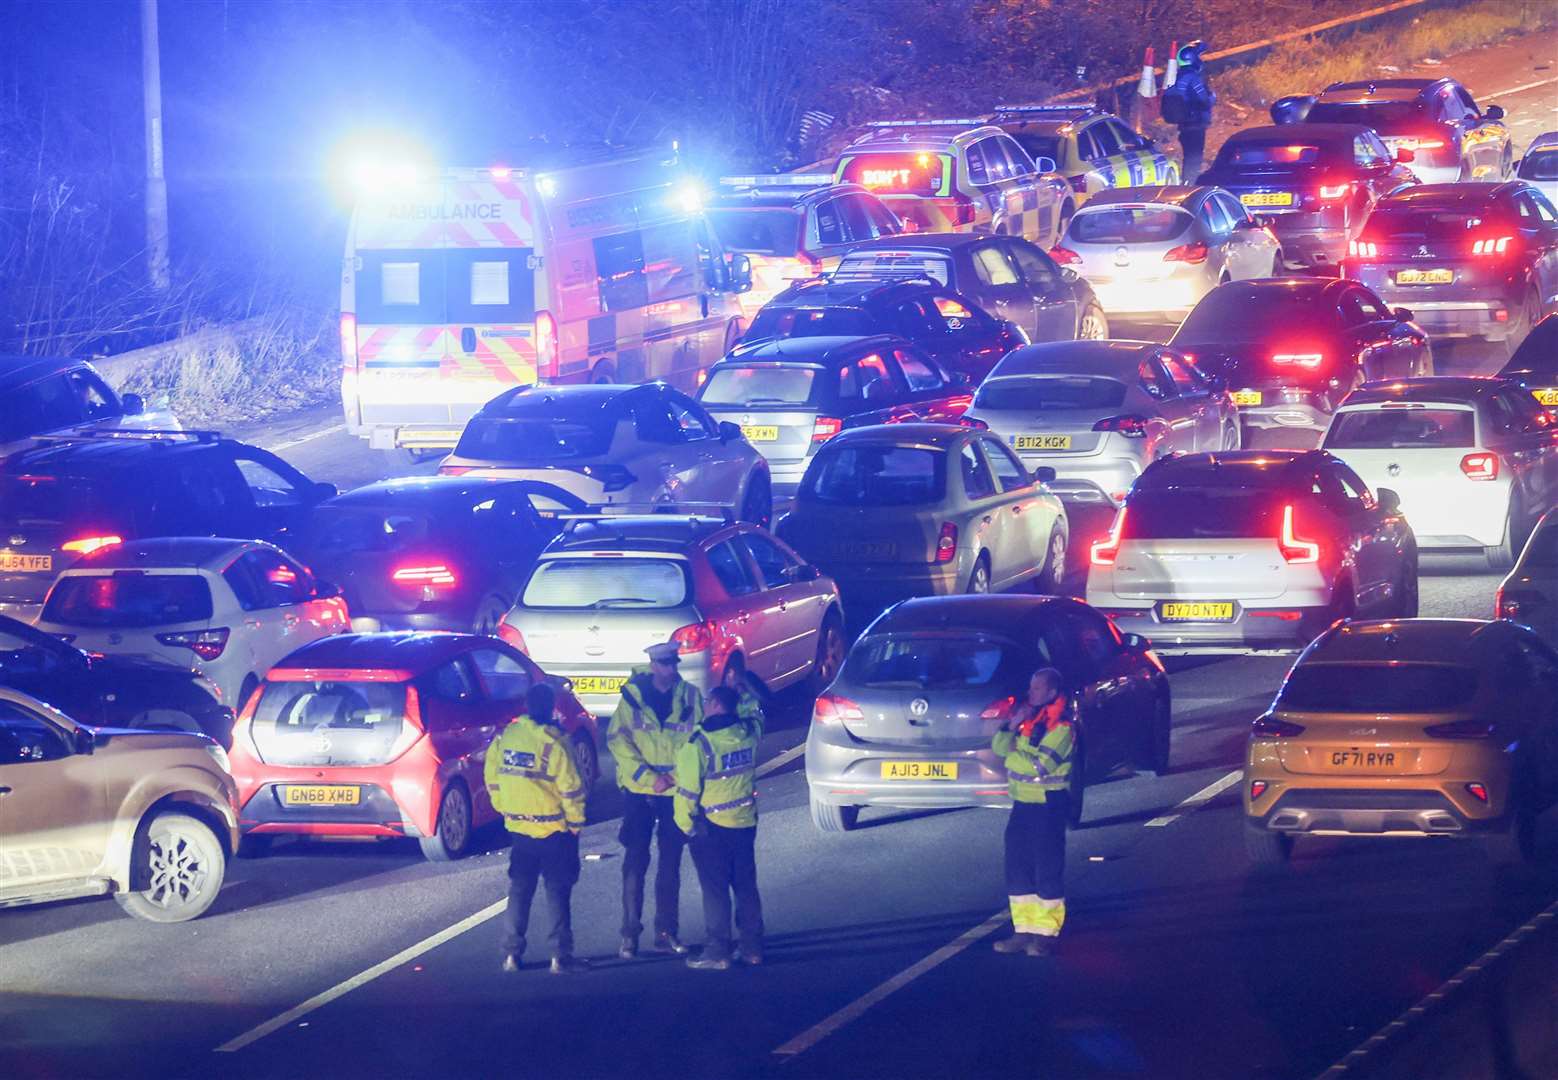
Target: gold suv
{"points": [[149, 816], [1414, 727]]}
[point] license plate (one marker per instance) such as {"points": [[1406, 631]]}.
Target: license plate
{"points": [[866, 549], [1373, 760], [919, 770], [1198, 611], [11, 562], [1546, 395], [1245, 397], [597, 684], [1042, 442], [1267, 198], [1441, 276], [759, 432], [320, 795]]}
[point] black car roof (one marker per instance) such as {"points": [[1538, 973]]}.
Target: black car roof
{"points": [[809, 350], [1295, 286], [18, 371], [79, 455], [429, 490], [1462, 388], [1369, 86], [1537, 355], [991, 611], [936, 241], [847, 292], [1278, 134], [1472, 193]]}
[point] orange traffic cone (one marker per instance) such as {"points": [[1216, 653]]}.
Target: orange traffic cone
{"points": [[1171, 66], [1147, 87]]}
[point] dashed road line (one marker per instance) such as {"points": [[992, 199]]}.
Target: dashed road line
{"points": [[290, 443], [1198, 800], [1519, 89], [779, 761]]}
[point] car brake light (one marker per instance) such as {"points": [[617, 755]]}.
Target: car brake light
{"points": [[1257, 788], [1310, 360], [1480, 466], [694, 637], [1295, 549], [511, 634], [1491, 245], [349, 339], [1132, 426], [428, 576], [1269, 727], [825, 427], [1335, 192], [1461, 729], [1103, 552], [86, 545], [1187, 253], [999, 709], [1362, 249], [1414, 143], [1065, 256], [546, 345], [832, 709], [206, 644], [947, 543]]}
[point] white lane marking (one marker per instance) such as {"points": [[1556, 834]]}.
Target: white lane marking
{"points": [[341, 989], [1198, 800], [1518, 89], [290, 443], [779, 761], [815, 1034], [1360, 1053]]}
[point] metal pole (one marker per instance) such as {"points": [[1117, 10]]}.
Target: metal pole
{"points": [[156, 183]]}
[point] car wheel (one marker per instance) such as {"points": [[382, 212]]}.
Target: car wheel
{"points": [[830, 654], [979, 580], [1278, 262], [255, 846], [1160, 735], [1093, 327], [603, 372], [758, 506], [1267, 848], [452, 833], [1232, 437], [585, 759], [489, 615], [1052, 578], [1530, 315], [1502, 556], [833, 819], [176, 870]]}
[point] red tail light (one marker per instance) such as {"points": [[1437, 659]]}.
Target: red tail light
{"points": [[1269, 727], [1335, 192], [206, 644], [1461, 729], [999, 709], [947, 543], [86, 545], [832, 709], [1480, 466], [546, 345], [1362, 249], [1134, 427], [1490, 246], [1294, 548], [1104, 551], [825, 427], [1065, 256], [512, 635], [1187, 253], [694, 637], [455, 470], [1307, 360], [349, 339], [1257, 788], [1414, 143], [973, 422], [431, 574]]}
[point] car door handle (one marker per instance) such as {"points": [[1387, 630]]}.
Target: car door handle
{"points": [[4, 790], [987, 519], [784, 605], [1017, 509]]}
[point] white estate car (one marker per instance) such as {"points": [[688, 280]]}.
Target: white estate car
{"points": [[1475, 461], [229, 609]]}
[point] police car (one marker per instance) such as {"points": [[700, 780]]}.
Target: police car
{"points": [[1093, 150], [957, 176]]}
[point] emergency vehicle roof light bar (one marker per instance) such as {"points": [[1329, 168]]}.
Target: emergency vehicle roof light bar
{"points": [[689, 510], [1079, 110], [973, 122], [133, 435], [808, 180]]}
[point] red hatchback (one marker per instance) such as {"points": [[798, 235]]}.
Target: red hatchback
{"points": [[384, 735]]}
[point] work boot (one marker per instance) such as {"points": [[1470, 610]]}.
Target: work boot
{"points": [[511, 963], [569, 965], [1039, 945], [629, 948], [1015, 944], [667, 942], [708, 962]]}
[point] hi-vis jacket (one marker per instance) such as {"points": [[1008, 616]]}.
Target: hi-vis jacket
{"points": [[644, 745], [533, 780], [716, 774], [1038, 754]]}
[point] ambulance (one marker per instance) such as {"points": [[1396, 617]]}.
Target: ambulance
{"points": [[459, 286]]}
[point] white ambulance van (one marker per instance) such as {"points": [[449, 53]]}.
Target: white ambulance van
{"points": [[460, 286]]}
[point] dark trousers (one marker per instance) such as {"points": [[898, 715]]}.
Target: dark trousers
{"points": [[555, 860], [727, 864], [646, 817], [1192, 146], [1036, 847]]}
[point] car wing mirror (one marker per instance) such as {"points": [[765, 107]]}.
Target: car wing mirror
{"points": [[729, 431], [324, 490], [1135, 642], [1388, 501], [1402, 314], [326, 590], [133, 404], [1494, 112], [1044, 474], [84, 740]]}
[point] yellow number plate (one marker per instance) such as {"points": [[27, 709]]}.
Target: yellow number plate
{"points": [[759, 432], [1245, 397], [1267, 198], [1425, 277], [1042, 442], [597, 684], [919, 770], [1548, 395], [1348, 759], [11, 562], [320, 795], [1198, 611]]}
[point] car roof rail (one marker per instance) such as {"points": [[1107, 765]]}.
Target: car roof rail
{"points": [[1054, 108], [613, 511], [975, 121], [779, 180], [152, 435]]}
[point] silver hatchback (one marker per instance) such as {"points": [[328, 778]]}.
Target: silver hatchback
{"points": [[610, 586]]}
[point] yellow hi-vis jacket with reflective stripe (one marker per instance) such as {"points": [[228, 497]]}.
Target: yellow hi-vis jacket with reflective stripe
{"points": [[644, 745], [716, 774], [533, 780], [1038, 755]]}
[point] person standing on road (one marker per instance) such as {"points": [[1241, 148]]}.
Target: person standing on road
{"points": [[656, 716], [535, 784], [1188, 106], [1038, 747], [716, 806]]}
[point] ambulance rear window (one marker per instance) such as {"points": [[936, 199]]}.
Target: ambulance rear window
{"points": [[433, 287]]}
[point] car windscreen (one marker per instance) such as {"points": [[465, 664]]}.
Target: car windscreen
{"points": [[1417, 225], [1202, 513], [1378, 115], [876, 475], [562, 434], [779, 387], [128, 598], [756, 231], [1239, 314], [330, 722], [1401, 429], [1128, 224], [787, 322], [1540, 164], [925, 662], [906, 172], [1378, 688], [601, 583], [1050, 392]]}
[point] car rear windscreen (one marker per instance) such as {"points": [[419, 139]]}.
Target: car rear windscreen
{"points": [[627, 584], [895, 173], [51, 500], [1540, 164], [1050, 392], [1400, 429], [1270, 155], [1378, 688], [585, 433], [894, 265], [1371, 114], [342, 530], [1202, 513], [778, 387], [1232, 315], [876, 475], [1415, 226], [925, 662], [756, 231], [329, 722], [1128, 225], [786, 322], [128, 598]]}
